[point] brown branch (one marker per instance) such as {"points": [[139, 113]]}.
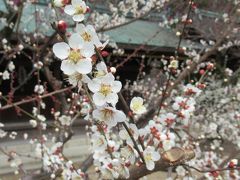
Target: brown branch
{"points": [[24, 101], [187, 71], [138, 172]]}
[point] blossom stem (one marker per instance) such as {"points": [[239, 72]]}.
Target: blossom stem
{"points": [[131, 118], [126, 108], [134, 142]]}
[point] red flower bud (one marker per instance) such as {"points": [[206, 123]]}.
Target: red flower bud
{"points": [[88, 9], [130, 114], [201, 86], [104, 53], [215, 174], [231, 165], [201, 71], [62, 26], [210, 66], [194, 6]]}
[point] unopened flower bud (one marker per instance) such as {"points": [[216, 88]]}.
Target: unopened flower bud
{"points": [[62, 26]]}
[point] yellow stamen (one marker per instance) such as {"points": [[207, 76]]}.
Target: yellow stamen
{"points": [[107, 113], [105, 89], [79, 10], [86, 36], [148, 157], [75, 56]]}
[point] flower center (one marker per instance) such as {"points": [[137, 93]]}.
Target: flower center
{"points": [[105, 89], [79, 10], [107, 114], [137, 106], [86, 36], [148, 157], [75, 56], [100, 142], [78, 76]]}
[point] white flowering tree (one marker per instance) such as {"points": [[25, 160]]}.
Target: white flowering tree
{"points": [[183, 120]]}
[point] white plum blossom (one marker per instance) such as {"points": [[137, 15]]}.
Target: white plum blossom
{"points": [[137, 106], [76, 9], [69, 174], [180, 171], [5, 75], [109, 115], [107, 171], [89, 35], [168, 141], [167, 119], [184, 103], [33, 123], [58, 3], [105, 90], [76, 55], [122, 170], [39, 89], [129, 153], [65, 120], [76, 79], [190, 89], [173, 64], [134, 132], [101, 70], [99, 142], [11, 66], [41, 118], [113, 168], [150, 155]]}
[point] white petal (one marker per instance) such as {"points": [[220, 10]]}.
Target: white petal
{"points": [[123, 134], [80, 28], [96, 41], [69, 9], [76, 41], [78, 17], [155, 156], [91, 29], [96, 114], [150, 165], [112, 98], [84, 66], [85, 79], [108, 79], [94, 86], [101, 67], [67, 67], [87, 50], [103, 45], [116, 86], [111, 123], [61, 50], [99, 99], [137, 100], [141, 110], [76, 3], [119, 116]]}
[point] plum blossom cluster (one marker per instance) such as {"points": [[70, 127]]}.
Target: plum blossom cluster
{"points": [[117, 142], [54, 161], [112, 154]]}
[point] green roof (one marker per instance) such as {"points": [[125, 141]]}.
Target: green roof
{"points": [[140, 32], [136, 33]]}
